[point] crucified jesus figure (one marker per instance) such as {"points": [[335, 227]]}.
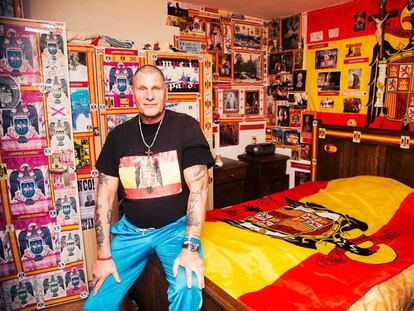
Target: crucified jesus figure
{"points": [[379, 28]]}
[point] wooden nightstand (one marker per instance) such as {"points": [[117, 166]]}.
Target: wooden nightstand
{"points": [[265, 174], [229, 183]]}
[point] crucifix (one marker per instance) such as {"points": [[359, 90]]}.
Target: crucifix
{"points": [[379, 20]]}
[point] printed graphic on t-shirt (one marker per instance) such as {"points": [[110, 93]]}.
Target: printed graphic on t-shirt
{"points": [[146, 177]]}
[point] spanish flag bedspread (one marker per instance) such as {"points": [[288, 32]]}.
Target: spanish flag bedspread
{"points": [[319, 246]]}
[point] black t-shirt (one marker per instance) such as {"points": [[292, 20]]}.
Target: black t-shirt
{"points": [[154, 190]]}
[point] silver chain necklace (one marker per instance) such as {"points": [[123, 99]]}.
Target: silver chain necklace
{"points": [[143, 139]]}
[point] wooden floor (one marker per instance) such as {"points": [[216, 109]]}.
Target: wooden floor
{"points": [[78, 305]]}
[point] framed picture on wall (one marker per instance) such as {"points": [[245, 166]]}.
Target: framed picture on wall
{"points": [[215, 37], [224, 66], [247, 66], [231, 102], [291, 32], [247, 36], [252, 102]]}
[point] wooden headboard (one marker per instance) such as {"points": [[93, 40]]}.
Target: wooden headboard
{"points": [[340, 151]]}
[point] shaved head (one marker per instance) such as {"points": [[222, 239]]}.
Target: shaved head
{"points": [[149, 69]]}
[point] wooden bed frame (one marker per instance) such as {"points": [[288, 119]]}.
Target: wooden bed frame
{"points": [[337, 152]]}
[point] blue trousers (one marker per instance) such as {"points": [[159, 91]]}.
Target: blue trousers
{"points": [[131, 248]]}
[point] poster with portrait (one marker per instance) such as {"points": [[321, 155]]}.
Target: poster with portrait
{"points": [[229, 134], [307, 125], [295, 117], [247, 67], [280, 63], [37, 239], [283, 115], [299, 80], [231, 101], [247, 36], [325, 59], [252, 102], [298, 60], [190, 108], [214, 37], [300, 100], [181, 75], [291, 32], [87, 202], [119, 66]]}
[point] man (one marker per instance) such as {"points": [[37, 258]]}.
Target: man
{"points": [[161, 159], [89, 200]]}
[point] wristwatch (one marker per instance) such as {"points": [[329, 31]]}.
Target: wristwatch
{"points": [[191, 246]]}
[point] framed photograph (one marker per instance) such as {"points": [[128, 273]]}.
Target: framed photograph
{"points": [[307, 120], [177, 15], [305, 152], [231, 101], [291, 137], [274, 43], [300, 100], [327, 103], [224, 66], [295, 155], [215, 37], [295, 117], [352, 105], [291, 32], [353, 50], [11, 8], [247, 36], [196, 26], [278, 92], [298, 60], [299, 80], [354, 78], [181, 75], [277, 136], [229, 134], [280, 63], [329, 81], [359, 20], [247, 66], [252, 102], [325, 59], [283, 116]]}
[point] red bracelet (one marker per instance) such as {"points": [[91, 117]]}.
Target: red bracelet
{"points": [[104, 258]]}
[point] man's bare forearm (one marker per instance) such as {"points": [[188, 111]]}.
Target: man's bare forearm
{"points": [[103, 216], [197, 180]]}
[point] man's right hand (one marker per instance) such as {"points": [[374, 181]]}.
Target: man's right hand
{"points": [[101, 270]]}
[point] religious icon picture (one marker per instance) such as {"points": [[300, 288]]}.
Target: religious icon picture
{"points": [[224, 65], [231, 101], [326, 59], [252, 102], [354, 78], [298, 59], [307, 120], [299, 80], [359, 20]]}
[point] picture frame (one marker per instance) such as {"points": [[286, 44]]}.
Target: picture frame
{"points": [[291, 32], [247, 66], [299, 80], [229, 134], [329, 81], [326, 59], [252, 102], [231, 101], [214, 37], [247, 36]]}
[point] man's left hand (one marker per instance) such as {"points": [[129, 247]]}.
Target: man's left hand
{"points": [[191, 262]]}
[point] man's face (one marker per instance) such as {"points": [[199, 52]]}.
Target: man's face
{"points": [[150, 94]]}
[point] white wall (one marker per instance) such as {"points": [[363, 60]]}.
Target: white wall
{"points": [[142, 21]]}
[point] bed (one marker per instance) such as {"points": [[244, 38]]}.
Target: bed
{"points": [[343, 242]]}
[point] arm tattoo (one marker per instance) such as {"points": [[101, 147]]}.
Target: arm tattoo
{"points": [[193, 204], [109, 216], [197, 173], [103, 179], [100, 237]]}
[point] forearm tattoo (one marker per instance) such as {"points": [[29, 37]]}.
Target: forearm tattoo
{"points": [[100, 236], [109, 216], [103, 179], [194, 201]]}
